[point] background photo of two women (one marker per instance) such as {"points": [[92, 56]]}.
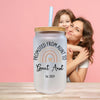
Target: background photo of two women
{"points": [[18, 18]]}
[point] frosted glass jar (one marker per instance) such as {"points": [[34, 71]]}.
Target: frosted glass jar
{"points": [[49, 58]]}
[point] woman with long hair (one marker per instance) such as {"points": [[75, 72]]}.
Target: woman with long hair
{"points": [[79, 34]]}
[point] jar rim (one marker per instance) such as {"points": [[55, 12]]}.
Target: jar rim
{"points": [[39, 29]]}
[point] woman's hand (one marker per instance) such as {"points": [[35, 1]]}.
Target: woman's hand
{"points": [[69, 55], [82, 56], [73, 64]]}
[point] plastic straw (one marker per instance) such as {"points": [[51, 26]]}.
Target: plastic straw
{"points": [[50, 16]]}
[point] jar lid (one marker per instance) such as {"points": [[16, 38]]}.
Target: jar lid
{"points": [[37, 29]]}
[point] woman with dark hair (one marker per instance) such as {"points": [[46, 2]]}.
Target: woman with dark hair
{"points": [[80, 35]]}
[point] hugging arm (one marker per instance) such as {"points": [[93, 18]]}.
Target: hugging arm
{"points": [[72, 65], [74, 48], [79, 76]]}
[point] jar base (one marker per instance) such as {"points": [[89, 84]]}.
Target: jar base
{"points": [[50, 92]]}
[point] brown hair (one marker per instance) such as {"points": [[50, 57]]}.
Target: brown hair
{"points": [[61, 12], [87, 37]]}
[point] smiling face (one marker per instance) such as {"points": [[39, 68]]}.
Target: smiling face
{"points": [[65, 21], [75, 32]]}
